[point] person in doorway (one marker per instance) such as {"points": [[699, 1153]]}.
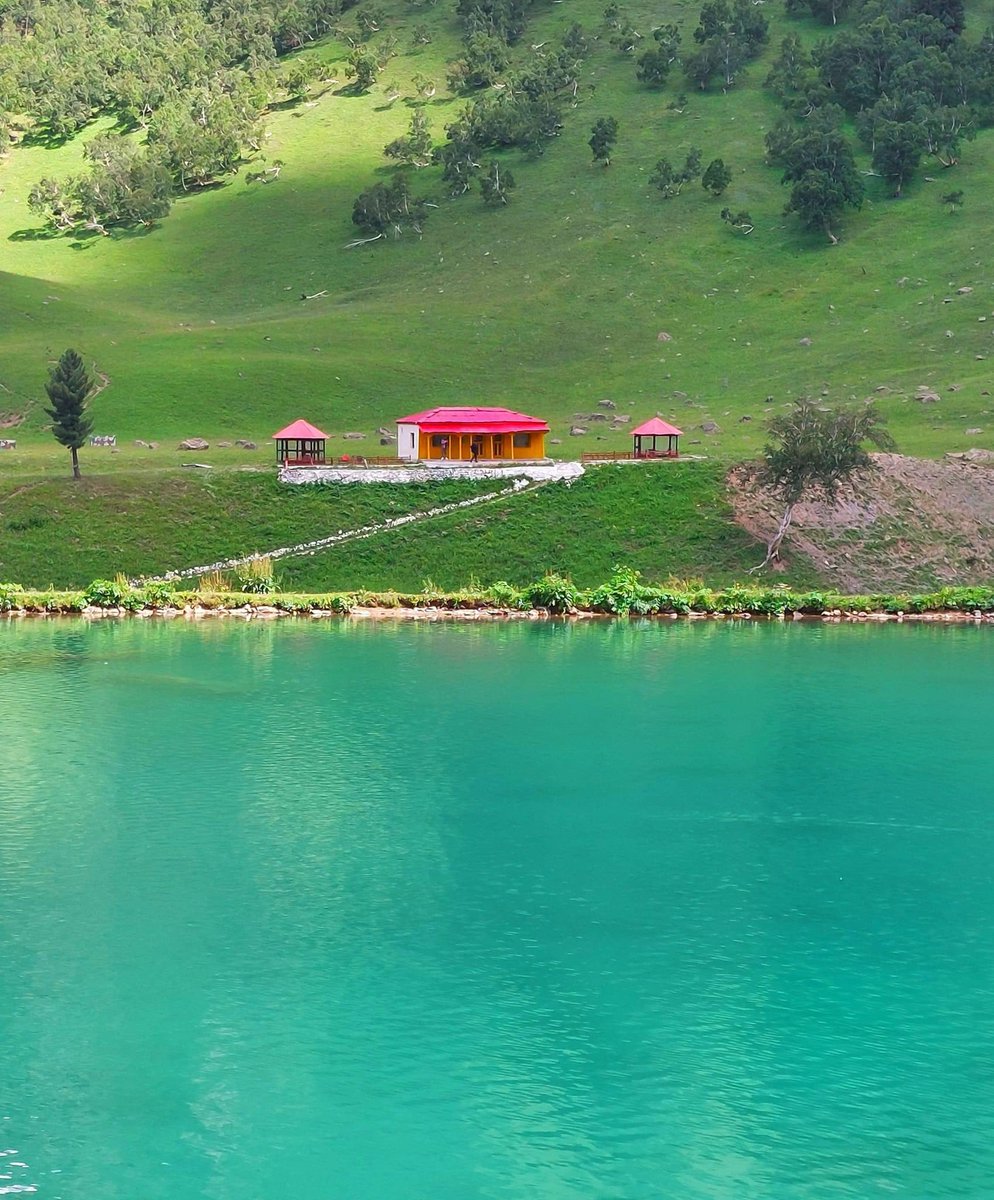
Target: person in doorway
{"points": [[474, 451], [445, 447]]}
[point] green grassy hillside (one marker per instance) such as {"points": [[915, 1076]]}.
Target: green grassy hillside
{"points": [[549, 305], [668, 522]]}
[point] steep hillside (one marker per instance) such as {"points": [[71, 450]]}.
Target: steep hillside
{"points": [[550, 304]]}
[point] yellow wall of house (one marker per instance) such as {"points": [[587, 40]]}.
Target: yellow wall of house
{"points": [[492, 446]]}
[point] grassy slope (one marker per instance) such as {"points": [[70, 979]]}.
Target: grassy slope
{"points": [[667, 521], [58, 532], [550, 304]]}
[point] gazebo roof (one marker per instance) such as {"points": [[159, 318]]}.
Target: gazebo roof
{"points": [[300, 429], [656, 427], [473, 420]]}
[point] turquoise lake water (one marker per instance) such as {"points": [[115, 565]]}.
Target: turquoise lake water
{"points": [[309, 911]]}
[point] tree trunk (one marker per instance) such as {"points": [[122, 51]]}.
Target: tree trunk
{"points": [[773, 547], [75, 462]]}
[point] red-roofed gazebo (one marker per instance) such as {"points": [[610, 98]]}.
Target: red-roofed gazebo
{"points": [[654, 429], [300, 445]]}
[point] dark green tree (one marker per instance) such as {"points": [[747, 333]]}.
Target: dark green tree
{"points": [[414, 150], [363, 67], [669, 180], [814, 449], [68, 387], [602, 139], [495, 185], [389, 208], [897, 151], [741, 222], [716, 177], [819, 199]]}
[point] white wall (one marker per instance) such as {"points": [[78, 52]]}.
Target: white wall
{"points": [[407, 442]]}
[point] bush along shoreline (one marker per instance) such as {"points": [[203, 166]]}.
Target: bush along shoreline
{"points": [[625, 594]]}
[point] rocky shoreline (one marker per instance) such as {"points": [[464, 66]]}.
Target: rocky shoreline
{"points": [[430, 613]]}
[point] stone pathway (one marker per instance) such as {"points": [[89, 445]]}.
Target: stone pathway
{"points": [[517, 488]]}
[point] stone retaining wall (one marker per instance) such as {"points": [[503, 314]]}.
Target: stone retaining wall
{"points": [[544, 472]]}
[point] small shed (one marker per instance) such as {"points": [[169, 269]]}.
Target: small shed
{"points": [[300, 445], [652, 431]]}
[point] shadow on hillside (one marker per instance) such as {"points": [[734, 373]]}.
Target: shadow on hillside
{"points": [[36, 234]]}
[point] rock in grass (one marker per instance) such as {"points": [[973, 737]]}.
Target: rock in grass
{"points": [[195, 443]]}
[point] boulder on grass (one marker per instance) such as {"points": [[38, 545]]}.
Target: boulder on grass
{"points": [[195, 444]]}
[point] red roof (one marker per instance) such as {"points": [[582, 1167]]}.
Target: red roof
{"points": [[301, 429], [657, 427], [473, 420]]}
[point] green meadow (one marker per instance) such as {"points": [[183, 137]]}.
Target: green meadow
{"points": [[549, 305]]}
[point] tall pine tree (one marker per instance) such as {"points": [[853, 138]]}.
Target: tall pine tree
{"points": [[68, 387]]}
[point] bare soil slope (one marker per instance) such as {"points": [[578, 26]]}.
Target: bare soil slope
{"points": [[909, 523]]}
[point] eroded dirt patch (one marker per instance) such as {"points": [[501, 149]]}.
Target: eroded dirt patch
{"points": [[908, 523]]}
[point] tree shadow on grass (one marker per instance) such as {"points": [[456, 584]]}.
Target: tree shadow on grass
{"points": [[35, 235]]}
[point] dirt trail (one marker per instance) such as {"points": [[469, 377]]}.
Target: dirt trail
{"points": [[908, 523]]}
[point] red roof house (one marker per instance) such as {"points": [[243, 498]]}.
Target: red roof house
{"points": [[470, 435]]}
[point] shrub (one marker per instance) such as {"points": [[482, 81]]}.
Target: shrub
{"points": [[105, 593], [505, 595], [256, 576], [158, 593], [623, 593], [213, 582], [10, 596], [733, 599], [556, 593]]}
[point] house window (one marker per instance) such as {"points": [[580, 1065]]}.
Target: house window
{"points": [[521, 440]]}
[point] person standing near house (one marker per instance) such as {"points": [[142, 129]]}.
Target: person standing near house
{"points": [[474, 451]]}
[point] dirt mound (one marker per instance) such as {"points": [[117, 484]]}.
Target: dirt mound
{"points": [[908, 523]]}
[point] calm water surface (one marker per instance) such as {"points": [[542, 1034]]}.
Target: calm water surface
{"points": [[326, 912]]}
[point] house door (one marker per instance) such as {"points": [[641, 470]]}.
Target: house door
{"points": [[498, 446]]}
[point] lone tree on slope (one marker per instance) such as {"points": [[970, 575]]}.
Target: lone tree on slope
{"points": [[68, 387], [602, 138], [816, 449]]}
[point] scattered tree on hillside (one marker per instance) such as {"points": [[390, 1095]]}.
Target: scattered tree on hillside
{"points": [[68, 387], [602, 139], [415, 149], [496, 184], [728, 36], [819, 162], [716, 177], [126, 184], [814, 449], [363, 67], [741, 222], [389, 207], [654, 65], [424, 86], [669, 180]]}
